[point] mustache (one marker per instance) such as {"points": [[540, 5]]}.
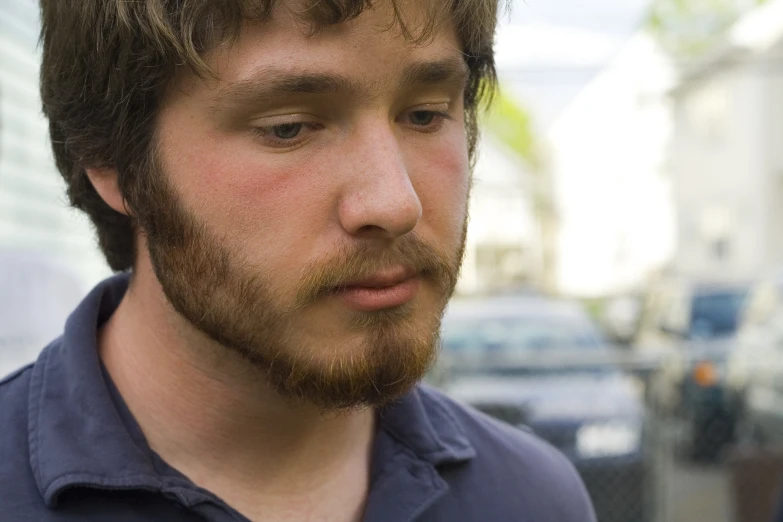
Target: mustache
{"points": [[363, 260]]}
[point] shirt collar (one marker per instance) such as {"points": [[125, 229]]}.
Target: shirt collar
{"points": [[78, 438], [422, 422], [75, 432]]}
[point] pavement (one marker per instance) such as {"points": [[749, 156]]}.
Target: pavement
{"points": [[697, 494], [687, 491]]}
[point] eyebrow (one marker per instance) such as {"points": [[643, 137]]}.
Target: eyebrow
{"points": [[270, 83], [450, 70]]}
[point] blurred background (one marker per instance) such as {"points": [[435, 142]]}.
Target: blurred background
{"points": [[622, 292]]}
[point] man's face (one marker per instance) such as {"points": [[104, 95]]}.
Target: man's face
{"points": [[308, 207]]}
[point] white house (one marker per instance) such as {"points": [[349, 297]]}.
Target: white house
{"points": [[48, 258], [609, 150], [34, 214], [727, 158], [503, 242]]}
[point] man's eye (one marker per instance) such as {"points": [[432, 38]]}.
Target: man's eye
{"points": [[286, 135], [422, 118], [287, 131]]}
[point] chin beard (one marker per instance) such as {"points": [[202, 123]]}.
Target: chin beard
{"points": [[236, 305]]}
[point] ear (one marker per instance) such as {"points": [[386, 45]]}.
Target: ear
{"points": [[105, 182]]}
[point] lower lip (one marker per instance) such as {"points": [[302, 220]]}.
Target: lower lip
{"points": [[368, 299]]}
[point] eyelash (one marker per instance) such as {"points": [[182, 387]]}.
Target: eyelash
{"points": [[439, 117], [267, 132]]}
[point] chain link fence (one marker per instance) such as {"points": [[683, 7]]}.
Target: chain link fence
{"points": [[704, 458]]}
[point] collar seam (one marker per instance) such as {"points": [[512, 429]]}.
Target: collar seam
{"points": [[456, 429], [446, 451], [140, 481], [34, 413], [96, 482], [421, 454]]}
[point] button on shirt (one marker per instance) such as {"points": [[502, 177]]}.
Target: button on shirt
{"points": [[71, 451]]}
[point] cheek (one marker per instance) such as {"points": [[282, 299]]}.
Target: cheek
{"points": [[441, 178], [250, 194]]}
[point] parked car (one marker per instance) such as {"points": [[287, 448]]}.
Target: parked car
{"points": [[543, 365], [693, 327], [754, 372]]}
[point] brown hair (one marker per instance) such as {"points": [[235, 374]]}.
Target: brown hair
{"points": [[107, 62]]}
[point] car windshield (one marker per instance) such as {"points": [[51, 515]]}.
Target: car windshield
{"points": [[515, 335], [716, 314]]}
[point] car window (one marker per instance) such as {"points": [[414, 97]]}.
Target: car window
{"points": [[716, 314], [509, 335]]}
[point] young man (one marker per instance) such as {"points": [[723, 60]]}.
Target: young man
{"points": [[286, 184]]}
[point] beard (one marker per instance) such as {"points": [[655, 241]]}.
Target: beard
{"points": [[236, 304]]}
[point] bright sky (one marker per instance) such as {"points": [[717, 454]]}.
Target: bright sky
{"points": [[547, 50]]}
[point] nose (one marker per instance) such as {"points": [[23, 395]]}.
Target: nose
{"points": [[378, 200]]}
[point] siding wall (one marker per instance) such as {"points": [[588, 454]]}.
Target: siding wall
{"points": [[34, 214]]}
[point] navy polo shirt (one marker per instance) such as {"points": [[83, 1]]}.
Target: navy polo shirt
{"points": [[70, 450]]}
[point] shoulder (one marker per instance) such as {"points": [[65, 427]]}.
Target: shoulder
{"points": [[14, 389], [14, 399], [20, 495], [512, 463]]}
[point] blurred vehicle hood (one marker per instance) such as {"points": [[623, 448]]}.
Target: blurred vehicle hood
{"points": [[572, 396], [554, 360], [709, 349]]}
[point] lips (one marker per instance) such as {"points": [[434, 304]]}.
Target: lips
{"points": [[385, 289], [383, 279]]}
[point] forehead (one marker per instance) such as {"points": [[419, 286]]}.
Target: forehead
{"points": [[375, 46]]}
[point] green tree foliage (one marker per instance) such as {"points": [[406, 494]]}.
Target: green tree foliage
{"points": [[689, 28], [512, 125]]}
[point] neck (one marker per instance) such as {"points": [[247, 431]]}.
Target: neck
{"points": [[213, 417]]}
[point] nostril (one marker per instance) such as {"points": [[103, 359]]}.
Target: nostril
{"points": [[373, 232], [369, 229]]}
